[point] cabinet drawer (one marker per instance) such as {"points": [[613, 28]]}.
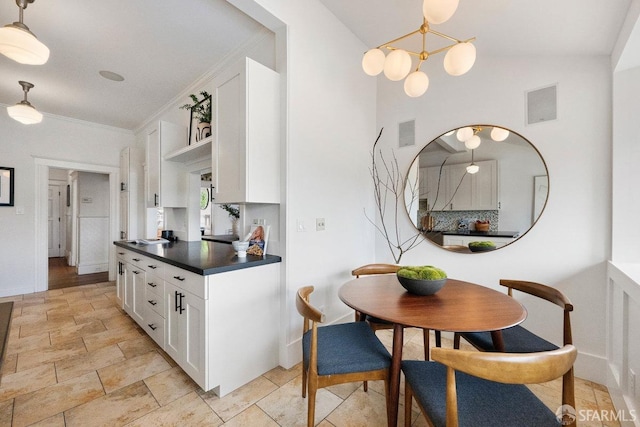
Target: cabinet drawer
{"points": [[154, 302], [137, 260], [154, 326], [154, 285], [186, 280]]}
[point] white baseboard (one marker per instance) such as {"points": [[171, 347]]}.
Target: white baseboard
{"points": [[92, 268]]}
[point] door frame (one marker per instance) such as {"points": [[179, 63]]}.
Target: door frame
{"points": [[41, 220]]}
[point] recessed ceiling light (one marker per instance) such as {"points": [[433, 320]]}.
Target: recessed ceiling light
{"points": [[110, 75]]}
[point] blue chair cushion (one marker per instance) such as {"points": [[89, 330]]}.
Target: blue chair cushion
{"points": [[346, 348], [516, 340], [481, 403]]}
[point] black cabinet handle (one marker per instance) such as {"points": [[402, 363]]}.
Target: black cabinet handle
{"points": [[152, 326], [181, 298], [153, 285], [153, 267], [135, 272], [152, 302], [123, 186], [211, 193], [120, 269], [137, 259], [155, 199], [178, 298], [179, 278]]}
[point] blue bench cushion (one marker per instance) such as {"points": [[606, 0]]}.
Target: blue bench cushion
{"points": [[516, 340], [481, 403], [345, 348]]}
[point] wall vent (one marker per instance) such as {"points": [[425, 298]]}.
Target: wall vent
{"points": [[542, 105], [407, 133]]}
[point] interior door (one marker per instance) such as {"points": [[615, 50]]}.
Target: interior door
{"points": [[54, 220]]}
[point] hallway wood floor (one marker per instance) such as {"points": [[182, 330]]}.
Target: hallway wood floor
{"points": [[62, 275]]}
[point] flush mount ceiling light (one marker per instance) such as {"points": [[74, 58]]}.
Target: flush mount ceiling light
{"points": [[110, 75], [20, 44], [469, 135], [460, 57], [23, 111]]}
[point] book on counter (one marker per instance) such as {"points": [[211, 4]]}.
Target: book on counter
{"points": [[258, 238]]}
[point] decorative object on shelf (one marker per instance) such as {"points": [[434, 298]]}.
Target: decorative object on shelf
{"points": [[200, 123], [234, 215], [424, 280], [23, 111], [388, 186], [460, 56], [258, 238], [482, 246], [6, 186], [482, 225], [20, 44]]}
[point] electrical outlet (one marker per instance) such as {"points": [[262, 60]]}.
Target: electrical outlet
{"points": [[632, 382], [320, 224]]}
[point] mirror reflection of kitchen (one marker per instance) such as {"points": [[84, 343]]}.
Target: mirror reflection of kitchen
{"points": [[476, 183], [215, 222]]}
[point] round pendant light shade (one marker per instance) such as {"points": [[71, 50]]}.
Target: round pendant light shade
{"points": [[373, 62], [25, 114], [397, 65], [22, 46], [460, 58], [473, 142], [464, 133], [499, 134], [23, 111], [416, 84], [473, 168], [439, 11]]}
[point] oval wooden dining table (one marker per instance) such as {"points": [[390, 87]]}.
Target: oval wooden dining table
{"points": [[458, 307]]}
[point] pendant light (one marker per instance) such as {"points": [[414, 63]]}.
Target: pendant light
{"points": [[472, 168], [20, 44], [23, 111]]}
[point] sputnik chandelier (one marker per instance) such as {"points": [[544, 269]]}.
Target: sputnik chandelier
{"points": [[460, 56], [469, 135]]}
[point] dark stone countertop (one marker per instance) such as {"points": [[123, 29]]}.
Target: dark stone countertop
{"points": [[202, 257], [510, 234], [221, 238]]}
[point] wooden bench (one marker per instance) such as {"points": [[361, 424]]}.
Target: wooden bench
{"points": [[6, 308]]}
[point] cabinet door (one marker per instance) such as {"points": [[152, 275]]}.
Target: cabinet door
{"points": [[125, 156], [153, 169], [460, 191], [124, 215], [138, 303], [127, 303], [229, 182], [171, 316], [436, 193], [192, 325], [485, 186], [120, 282]]}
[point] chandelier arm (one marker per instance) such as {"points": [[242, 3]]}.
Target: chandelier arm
{"points": [[410, 52], [444, 36], [442, 49], [398, 39]]}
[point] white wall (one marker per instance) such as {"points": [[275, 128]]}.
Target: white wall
{"points": [[54, 138], [569, 246]]}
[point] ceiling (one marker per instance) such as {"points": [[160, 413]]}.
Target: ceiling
{"points": [[162, 47], [159, 47]]}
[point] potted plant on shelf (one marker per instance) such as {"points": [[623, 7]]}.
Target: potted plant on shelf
{"points": [[201, 114], [234, 215]]}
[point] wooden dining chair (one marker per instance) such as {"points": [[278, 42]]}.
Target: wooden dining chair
{"points": [[377, 323], [470, 388], [337, 354], [518, 339]]}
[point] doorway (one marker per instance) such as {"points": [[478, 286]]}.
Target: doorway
{"points": [[41, 214]]}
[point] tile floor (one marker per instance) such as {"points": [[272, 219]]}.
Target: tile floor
{"points": [[75, 359]]}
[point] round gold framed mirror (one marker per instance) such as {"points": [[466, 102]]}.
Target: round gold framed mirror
{"points": [[476, 188]]}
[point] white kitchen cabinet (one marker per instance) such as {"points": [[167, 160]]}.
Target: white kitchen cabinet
{"points": [[246, 150], [130, 170], [122, 276], [186, 331], [213, 326], [166, 181], [461, 191]]}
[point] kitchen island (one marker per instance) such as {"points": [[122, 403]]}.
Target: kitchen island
{"points": [[215, 314], [463, 237]]}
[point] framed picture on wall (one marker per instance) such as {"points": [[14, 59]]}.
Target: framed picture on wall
{"points": [[6, 186]]}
